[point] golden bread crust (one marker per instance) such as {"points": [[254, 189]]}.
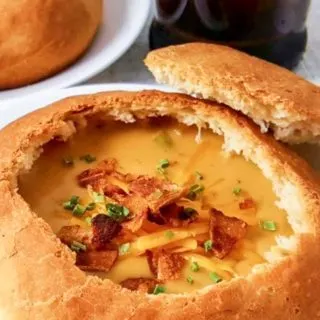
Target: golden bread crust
{"points": [[40, 281], [272, 96], [40, 38]]}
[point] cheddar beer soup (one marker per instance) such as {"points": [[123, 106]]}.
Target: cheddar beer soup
{"points": [[154, 206]]}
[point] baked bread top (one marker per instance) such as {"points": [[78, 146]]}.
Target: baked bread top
{"points": [[39, 38], [275, 98], [38, 273]]}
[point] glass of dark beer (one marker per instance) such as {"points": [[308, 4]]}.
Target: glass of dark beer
{"points": [[274, 30]]}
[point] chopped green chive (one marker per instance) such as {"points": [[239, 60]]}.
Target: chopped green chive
{"points": [[79, 210], [78, 246], [159, 289], [98, 197], [69, 205], [68, 161], [197, 188], [236, 191], [124, 248], [169, 234], [190, 280], [194, 266], [215, 277], [88, 221], [163, 164], [164, 140], [117, 212], [91, 206], [76, 208], [199, 176], [268, 225], [74, 199], [88, 158], [208, 245], [194, 191]]}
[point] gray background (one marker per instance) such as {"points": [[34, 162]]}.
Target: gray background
{"points": [[130, 68]]}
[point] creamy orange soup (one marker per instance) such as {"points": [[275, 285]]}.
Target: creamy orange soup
{"points": [[227, 180]]}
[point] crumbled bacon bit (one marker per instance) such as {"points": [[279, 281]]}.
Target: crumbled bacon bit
{"points": [[143, 285], [108, 165], [104, 230], [175, 216], [147, 187], [225, 232], [166, 199], [171, 211], [187, 215], [127, 178], [103, 186], [92, 176], [138, 208], [152, 258], [89, 177], [156, 218], [247, 203], [68, 234], [110, 190], [136, 222], [146, 195], [97, 260], [165, 265], [169, 266]]}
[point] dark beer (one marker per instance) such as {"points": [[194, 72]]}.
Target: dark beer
{"points": [[271, 29]]}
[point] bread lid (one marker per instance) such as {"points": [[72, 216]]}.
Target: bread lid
{"points": [[39, 279], [275, 98]]}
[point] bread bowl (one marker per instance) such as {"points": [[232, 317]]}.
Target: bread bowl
{"points": [[275, 98], [38, 273], [40, 38]]}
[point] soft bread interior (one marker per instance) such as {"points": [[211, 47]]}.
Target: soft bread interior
{"points": [[274, 121], [276, 99]]}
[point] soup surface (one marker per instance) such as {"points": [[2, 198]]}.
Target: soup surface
{"points": [[147, 206]]}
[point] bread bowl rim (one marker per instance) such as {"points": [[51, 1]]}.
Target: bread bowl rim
{"points": [[75, 294]]}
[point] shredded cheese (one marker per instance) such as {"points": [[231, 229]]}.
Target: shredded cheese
{"points": [[223, 268], [183, 245], [159, 239]]}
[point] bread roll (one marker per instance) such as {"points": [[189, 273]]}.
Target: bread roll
{"points": [[41, 37]]}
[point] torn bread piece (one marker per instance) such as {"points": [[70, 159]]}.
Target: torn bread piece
{"points": [[276, 99]]}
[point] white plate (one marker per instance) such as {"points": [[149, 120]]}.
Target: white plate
{"points": [[13, 109], [123, 21]]}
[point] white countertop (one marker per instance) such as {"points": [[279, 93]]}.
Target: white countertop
{"points": [[130, 68]]}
